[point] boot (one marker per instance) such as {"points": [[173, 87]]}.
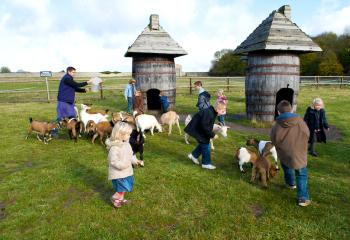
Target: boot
{"points": [[311, 149]]}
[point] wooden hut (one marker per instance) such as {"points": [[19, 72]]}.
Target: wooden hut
{"points": [[273, 68], [153, 65]]}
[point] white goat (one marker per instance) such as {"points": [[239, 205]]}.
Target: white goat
{"points": [[264, 146], [245, 155], [170, 118], [96, 117], [146, 121], [217, 129]]}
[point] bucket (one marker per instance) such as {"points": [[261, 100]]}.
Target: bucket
{"points": [[96, 81]]}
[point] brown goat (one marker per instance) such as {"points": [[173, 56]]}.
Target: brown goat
{"points": [[74, 127], [90, 128], [41, 128], [125, 117], [103, 129], [262, 167]]}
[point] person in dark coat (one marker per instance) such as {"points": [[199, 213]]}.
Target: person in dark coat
{"points": [[315, 118], [201, 128], [66, 94], [203, 96], [164, 102]]}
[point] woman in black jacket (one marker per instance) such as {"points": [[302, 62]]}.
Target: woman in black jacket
{"points": [[315, 118]]}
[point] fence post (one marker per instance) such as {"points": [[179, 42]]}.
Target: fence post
{"points": [[101, 90], [341, 81], [317, 81], [47, 89], [228, 84], [190, 86]]}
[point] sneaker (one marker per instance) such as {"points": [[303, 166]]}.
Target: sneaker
{"points": [[291, 186], [304, 202], [194, 160], [208, 166]]}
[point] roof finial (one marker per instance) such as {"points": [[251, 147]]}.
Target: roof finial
{"points": [[154, 22], [286, 11]]}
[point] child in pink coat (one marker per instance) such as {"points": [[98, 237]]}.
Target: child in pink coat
{"points": [[221, 98]]}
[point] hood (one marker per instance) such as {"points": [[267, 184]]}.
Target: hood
{"points": [[110, 143], [287, 119]]}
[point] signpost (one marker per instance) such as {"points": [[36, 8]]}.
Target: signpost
{"points": [[46, 74]]}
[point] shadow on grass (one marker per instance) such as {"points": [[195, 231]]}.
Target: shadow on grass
{"points": [[93, 179]]}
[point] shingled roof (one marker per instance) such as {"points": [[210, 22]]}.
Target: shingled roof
{"points": [[278, 32], [155, 40]]}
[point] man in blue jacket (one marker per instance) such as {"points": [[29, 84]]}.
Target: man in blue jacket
{"points": [[129, 94], [66, 94]]}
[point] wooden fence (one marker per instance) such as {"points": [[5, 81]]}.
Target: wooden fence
{"points": [[29, 88]]}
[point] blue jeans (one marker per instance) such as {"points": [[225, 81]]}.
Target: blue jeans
{"points": [[204, 149], [221, 119], [130, 104], [301, 179]]}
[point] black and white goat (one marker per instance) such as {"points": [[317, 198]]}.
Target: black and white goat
{"points": [[137, 141]]}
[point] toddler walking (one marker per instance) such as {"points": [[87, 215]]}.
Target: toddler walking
{"points": [[221, 98], [120, 160]]}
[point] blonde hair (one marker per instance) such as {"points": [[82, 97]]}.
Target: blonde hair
{"points": [[317, 101], [220, 106], [220, 92], [120, 131], [132, 81]]}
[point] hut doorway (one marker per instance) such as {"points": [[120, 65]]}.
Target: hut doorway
{"points": [[284, 94], [153, 102]]}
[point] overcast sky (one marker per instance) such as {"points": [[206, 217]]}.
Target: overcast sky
{"points": [[94, 35]]}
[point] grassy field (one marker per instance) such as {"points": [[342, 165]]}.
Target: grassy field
{"points": [[61, 191]]}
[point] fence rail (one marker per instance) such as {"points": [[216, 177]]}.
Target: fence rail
{"points": [[19, 89]]}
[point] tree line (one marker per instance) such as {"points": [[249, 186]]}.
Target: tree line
{"points": [[334, 60]]}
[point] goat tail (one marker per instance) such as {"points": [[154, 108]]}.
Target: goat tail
{"points": [[30, 119]]}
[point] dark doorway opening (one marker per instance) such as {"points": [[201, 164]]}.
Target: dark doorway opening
{"points": [[153, 102], [284, 94]]}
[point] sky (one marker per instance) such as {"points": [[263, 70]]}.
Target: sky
{"points": [[93, 35]]}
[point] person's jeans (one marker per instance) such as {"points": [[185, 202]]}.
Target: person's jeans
{"points": [[204, 150], [130, 104], [221, 119], [301, 180]]}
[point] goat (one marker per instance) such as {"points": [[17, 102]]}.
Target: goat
{"points": [[41, 128], [217, 129], [74, 127], [262, 167], [137, 141], [123, 116], [145, 121], [245, 155], [96, 117], [102, 129], [264, 146], [170, 118]]}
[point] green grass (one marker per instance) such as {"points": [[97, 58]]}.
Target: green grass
{"points": [[61, 191]]}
